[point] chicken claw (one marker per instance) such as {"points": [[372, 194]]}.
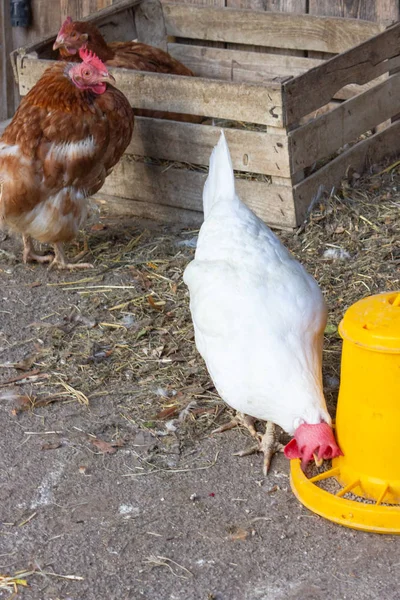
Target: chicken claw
{"points": [[60, 262], [29, 254], [266, 443], [239, 420], [57, 260]]}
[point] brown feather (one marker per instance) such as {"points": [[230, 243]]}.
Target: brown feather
{"points": [[56, 152]]}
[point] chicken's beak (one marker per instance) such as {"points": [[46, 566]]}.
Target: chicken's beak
{"points": [[318, 461], [107, 78], [58, 43]]}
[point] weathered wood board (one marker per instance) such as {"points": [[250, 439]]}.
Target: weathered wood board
{"points": [[8, 90], [182, 188], [279, 30], [197, 96], [358, 65], [239, 65], [251, 151], [323, 136], [371, 150], [385, 12], [115, 205], [251, 67], [298, 7]]}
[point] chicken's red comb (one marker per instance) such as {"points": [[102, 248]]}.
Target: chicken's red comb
{"points": [[63, 27], [90, 57]]}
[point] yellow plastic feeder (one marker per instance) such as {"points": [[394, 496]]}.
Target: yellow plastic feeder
{"points": [[367, 423]]}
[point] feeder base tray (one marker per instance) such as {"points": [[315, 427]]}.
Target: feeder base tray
{"points": [[374, 518]]}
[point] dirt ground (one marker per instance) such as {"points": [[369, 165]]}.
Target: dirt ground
{"points": [[112, 485]]}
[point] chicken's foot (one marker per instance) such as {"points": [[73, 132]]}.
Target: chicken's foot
{"points": [[239, 420], [29, 253], [60, 261], [266, 443], [83, 252]]}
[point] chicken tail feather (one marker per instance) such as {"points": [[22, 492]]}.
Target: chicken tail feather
{"points": [[220, 184]]}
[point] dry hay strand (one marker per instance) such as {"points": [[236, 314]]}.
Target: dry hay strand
{"points": [[79, 396], [11, 583], [164, 561]]}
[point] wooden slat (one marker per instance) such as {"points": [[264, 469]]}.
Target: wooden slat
{"points": [[358, 65], [279, 30], [182, 188], [251, 151], [385, 12], [237, 65], [319, 112], [292, 6], [287, 6], [204, 3], [369, 151], [282, 181], [69, 8], [326, 134], [187, 95], [150, 25], [250, 67], [90, 6], [7, 84], [116, 206], [353, 9]]}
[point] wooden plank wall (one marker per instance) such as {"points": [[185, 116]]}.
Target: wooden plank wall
{"points": [[47, 15], [6, 73], [382, 11]]}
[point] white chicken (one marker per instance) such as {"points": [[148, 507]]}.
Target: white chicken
{"points": [[258, 319]]}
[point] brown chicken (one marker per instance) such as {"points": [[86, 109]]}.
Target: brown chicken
{"points": [[73, 35], [68, 133]]}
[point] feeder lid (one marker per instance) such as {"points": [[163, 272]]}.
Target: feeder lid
{"points": [[374, 322]]}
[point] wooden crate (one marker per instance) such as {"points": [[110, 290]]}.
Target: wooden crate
{"points": [[293, 123]]}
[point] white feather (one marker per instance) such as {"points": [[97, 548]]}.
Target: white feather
{"points": [[220, 184], [41, 223], [11, 151], [72, 150], [258, 315]]}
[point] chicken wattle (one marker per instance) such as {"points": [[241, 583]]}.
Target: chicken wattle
{"points": [[312, 441]]}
